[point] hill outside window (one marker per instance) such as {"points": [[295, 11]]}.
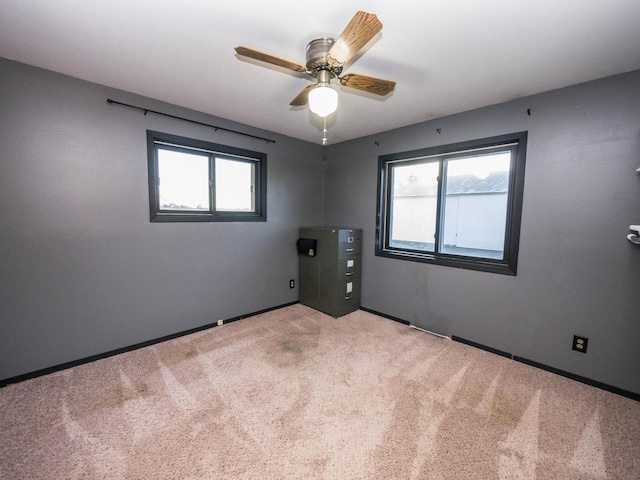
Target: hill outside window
{"points": [[457, 205]]}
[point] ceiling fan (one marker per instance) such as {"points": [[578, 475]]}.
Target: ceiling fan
{"points": [[325, 60]]}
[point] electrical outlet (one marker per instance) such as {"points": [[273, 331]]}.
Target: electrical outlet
{"points": [[220, 322], [292, 283], [580, 344]]}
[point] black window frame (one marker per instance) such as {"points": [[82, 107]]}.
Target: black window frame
{"points": [[508, 265], [213, 150]]}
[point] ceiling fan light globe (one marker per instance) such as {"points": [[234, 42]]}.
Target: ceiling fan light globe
{"points": [[323, 100]]}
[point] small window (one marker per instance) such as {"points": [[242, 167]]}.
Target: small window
{"points": [[196, 181], [457, 205]]}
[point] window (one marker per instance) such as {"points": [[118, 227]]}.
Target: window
{"points": [[457, 205], [196, 181]]}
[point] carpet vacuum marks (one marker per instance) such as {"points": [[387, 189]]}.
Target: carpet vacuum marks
{"points": [[296, 394]]}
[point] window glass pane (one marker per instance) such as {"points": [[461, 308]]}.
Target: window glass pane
{"points": [[183, 180], [475, 205], [235, 190], [413, 206]]}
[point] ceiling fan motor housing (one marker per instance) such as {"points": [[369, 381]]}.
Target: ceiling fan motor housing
{"points": [[317, 51]]}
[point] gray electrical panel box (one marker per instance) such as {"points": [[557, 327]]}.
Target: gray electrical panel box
{"points": [[329, 266]]}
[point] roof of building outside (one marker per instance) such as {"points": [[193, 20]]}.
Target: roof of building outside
{"points": [[496, 182]]}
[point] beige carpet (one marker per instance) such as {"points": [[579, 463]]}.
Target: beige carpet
{"points": [[295, 394]]}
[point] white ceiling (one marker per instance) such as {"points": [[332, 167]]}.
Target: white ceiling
{"points": [[446, 56]]}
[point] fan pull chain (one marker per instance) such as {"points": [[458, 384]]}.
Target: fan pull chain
{"points": [[324, 131]]}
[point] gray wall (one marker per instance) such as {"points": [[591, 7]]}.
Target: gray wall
{"points": [[577, 273], [82, 270]]}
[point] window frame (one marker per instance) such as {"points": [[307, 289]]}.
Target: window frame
{"points": [[184, 144], [517, 142]]}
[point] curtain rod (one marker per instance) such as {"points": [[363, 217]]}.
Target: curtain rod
{"points": [[216, 128]]}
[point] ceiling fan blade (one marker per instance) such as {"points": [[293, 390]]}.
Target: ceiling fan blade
{"points": [[303, 96], [264, 57], [362, 28], [368, 84]]}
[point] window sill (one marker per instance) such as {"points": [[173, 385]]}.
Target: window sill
{"points": [[478, 264]]}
